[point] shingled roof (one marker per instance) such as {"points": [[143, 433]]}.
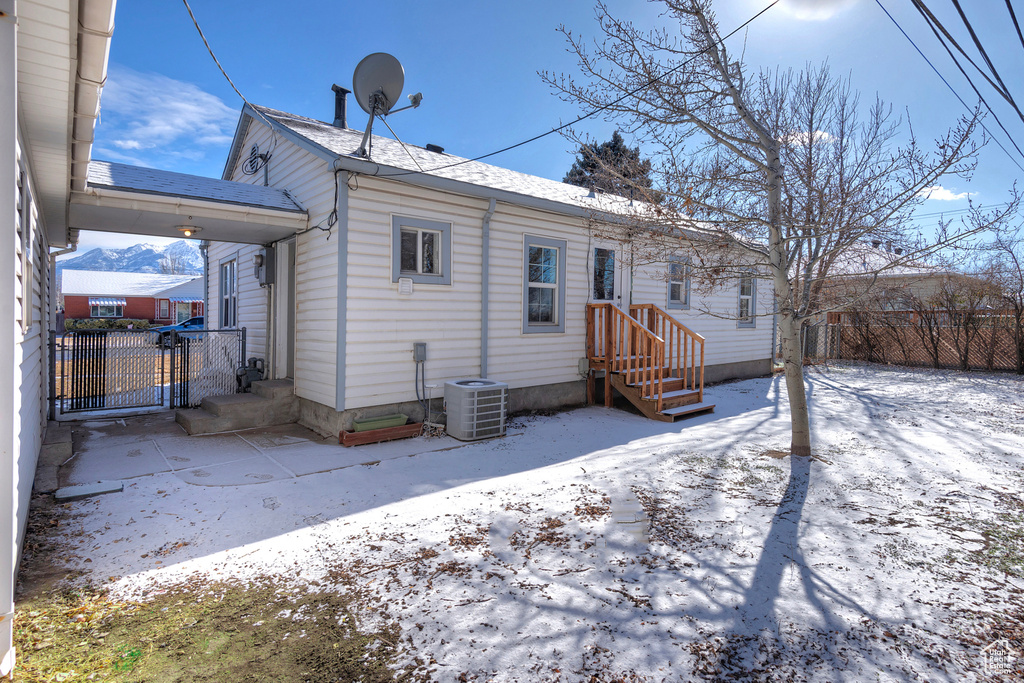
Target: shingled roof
{"points": [[110, 175], [393, 160]]}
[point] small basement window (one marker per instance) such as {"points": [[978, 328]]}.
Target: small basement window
{"points": [[421, 250]]}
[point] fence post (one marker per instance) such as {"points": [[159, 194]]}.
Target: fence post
{"points": [[174, 377]]}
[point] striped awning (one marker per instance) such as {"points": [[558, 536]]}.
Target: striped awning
{"points": [[106, 302], [186, 299]]}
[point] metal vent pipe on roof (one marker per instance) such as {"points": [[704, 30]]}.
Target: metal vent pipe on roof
{"points": [[340, 105]]}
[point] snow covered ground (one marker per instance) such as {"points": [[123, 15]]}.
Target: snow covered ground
{"points": [[598, 545]]}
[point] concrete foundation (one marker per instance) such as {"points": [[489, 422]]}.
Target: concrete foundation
{"points": [[329, 422], [741, 370]]}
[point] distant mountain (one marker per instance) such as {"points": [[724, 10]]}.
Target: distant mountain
{"points": [[182, 256]]}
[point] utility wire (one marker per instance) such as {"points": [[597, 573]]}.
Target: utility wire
{"points": [[1013, 16], [238, 92], [934, 22], [586, 116], [951, 89], [977, 92]]}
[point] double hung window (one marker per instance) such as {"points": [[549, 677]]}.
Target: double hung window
{"points": [[543, 285], [747, 300], [679, 285]]}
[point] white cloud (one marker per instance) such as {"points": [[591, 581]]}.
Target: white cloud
{"points": [[816, 10], [161, 116], [803, 137], [942, 194]]}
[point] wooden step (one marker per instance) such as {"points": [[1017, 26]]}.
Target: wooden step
{"points": [[675, 413], [674, 399]]}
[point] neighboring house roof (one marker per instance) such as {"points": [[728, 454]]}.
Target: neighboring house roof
{"points": [[186, 292], [862, 260], [106, 174], [416, 165], [112, 284]]}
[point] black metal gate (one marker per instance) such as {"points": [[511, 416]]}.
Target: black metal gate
{"points": [[122, 369]]}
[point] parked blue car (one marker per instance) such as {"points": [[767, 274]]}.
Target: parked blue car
{"points": [[164, 333]]}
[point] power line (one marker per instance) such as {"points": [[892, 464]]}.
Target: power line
{"points": [[230, 82], [933, 22], [951, 89], [598, 110]]}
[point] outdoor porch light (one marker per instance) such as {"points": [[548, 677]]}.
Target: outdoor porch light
{"points": [[189, 230]]}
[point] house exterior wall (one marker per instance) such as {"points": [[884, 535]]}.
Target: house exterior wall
{"points": [[29, 265], [729, 348], [311, 184], [380, 323]]}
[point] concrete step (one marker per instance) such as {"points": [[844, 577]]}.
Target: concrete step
{"points": [[234, 404], [274, 404], [274, 388]]}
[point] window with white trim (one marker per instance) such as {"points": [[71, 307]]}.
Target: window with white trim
{"points": [[678, 285], [421, 250], [228, 294], [165, 312], [747, 301], [106, 311], [604, 274], [543, 285]]}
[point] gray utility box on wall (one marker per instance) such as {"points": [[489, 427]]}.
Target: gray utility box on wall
{"points": [[476, 408]]}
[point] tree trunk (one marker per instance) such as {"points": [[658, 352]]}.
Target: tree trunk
{"points": [[793, 365]]}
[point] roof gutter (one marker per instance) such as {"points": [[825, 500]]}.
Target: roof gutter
{"points": [[95, 30], [101, 196]]}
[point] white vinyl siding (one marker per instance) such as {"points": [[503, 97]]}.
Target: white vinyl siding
{"points": [[32, 301], [724, 343], [308, 181]]}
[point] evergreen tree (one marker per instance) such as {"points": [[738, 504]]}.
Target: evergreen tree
{"points": [[615, 168]]}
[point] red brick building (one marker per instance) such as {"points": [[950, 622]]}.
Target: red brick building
{"points": [[160, 299]]}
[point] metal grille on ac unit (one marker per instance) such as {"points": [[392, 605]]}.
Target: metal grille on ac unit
{"points": [[476, 408]]}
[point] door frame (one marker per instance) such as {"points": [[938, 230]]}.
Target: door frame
{"points": [[284, 310]]}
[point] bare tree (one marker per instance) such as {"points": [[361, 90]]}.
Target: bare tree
{"points": [[1006, 266], [173, 264], [783, 172]]}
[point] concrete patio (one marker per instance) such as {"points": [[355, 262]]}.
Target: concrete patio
{"points": [[120, 449]]}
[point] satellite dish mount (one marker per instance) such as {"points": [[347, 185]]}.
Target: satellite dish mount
{"points": [[377, 84]]}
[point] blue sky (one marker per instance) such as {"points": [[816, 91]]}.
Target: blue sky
{"points": [[166, 104]]}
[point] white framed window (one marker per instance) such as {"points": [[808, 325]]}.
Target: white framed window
{"points": [[421, 250], [678, 285], [164, 309], [604, 274], [106, 311], [747, 301], [543, 285], [228, 294]]}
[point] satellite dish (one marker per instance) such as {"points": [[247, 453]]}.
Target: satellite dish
{"points": [[377, 83]]}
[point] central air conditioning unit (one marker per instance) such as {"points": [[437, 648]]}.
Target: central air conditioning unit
{"points": [[476, 408]]}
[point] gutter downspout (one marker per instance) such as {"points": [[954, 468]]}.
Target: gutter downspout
{"points": [[73, 241], [485, 283]]}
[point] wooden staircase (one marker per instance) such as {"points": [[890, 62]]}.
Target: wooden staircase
{"points": [[649, 357]]}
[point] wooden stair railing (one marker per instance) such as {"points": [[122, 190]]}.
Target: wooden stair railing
{"points": [[641, 352], [684, 348], [618, 343]]}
